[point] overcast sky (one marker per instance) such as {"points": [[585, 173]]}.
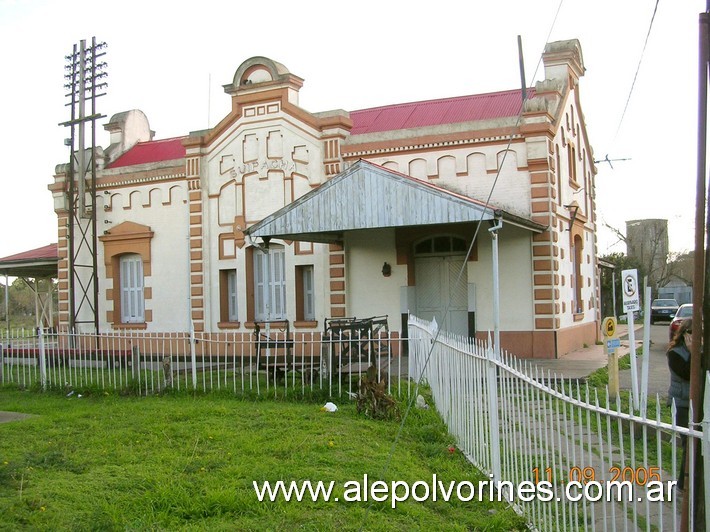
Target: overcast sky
{"points": [[170, 60]]}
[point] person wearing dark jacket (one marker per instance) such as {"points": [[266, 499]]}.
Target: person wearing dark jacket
{"points": [[679, 391]]}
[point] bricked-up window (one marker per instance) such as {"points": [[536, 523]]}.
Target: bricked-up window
{"points": [[305, 299], [269, 284], [228, 310], [131, 286]]}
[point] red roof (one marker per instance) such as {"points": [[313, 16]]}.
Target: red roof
{"points": [[387, 118], [48, 252], [151, 152], [438, 112]]}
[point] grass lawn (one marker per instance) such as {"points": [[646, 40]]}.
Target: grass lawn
{"points": [[104, 462]]}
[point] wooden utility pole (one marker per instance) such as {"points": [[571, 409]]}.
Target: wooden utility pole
{"points": [[698, 352]]}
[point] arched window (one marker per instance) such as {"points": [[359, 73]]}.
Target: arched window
{"points": [[441, 245], [131, 286]]}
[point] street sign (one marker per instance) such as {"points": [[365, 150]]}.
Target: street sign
{"points": [[611, 344], [630, 289], [609, 327]]}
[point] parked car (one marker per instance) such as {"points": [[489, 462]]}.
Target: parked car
{"points": [[663, 309], [684, 312]]}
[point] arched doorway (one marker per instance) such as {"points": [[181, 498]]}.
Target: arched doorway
{"points": [[437, 266]]}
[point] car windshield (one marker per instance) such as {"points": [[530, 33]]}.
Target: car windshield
{"points": [[686, 311], [665, 303]]}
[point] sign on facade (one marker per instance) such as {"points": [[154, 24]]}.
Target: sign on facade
{"points": [[630, 289]]}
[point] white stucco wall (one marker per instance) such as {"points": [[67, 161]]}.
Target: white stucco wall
{"points": [[369, 292], [472, 172], [163, 208], [516, 283], [254, 169]]}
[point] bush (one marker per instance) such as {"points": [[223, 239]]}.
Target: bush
{"points": [[372, 397]]}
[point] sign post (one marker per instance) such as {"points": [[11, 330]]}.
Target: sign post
{"points": [[612, 347], [631, 299]]}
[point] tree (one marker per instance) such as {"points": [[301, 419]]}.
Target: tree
{"points": [[681, 266]]}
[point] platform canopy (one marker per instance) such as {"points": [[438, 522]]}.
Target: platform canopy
{"points": [[368, 196], [35, 263]]}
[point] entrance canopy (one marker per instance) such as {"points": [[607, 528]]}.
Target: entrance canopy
{"points": [[368, 196], [35, 263]]}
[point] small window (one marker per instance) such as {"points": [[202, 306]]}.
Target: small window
{"points": [[576, 278], [305, 296], [131, 283], [232, 295], [228, 310]]}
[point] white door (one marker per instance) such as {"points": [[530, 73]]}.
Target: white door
{"points": [[438, 286]]}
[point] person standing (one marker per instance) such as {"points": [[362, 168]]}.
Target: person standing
{"points": [[679, 391]]}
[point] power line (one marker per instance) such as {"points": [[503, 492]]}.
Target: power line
{"points": [[638, 68]]}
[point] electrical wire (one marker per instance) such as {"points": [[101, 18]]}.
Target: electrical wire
{"points": [[486, 208], [638, 68]]}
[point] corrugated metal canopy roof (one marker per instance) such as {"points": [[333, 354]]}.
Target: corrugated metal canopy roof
{"points": [[368, 196], [37, 263]]}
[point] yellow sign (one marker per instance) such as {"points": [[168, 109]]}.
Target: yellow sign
{"points": [[609, 327]]}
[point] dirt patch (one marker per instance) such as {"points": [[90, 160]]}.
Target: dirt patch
{"points": [[12, 416]]}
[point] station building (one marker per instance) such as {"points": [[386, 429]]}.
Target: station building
{"points": [[279, 213]]}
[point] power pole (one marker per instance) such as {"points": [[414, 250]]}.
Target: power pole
{"points": [[85, 70], [699, 349]]}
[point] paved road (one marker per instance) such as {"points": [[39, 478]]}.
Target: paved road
{"points": [[658, 373]]}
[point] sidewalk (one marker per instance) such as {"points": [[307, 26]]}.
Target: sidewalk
{"points": [[581, 363]]}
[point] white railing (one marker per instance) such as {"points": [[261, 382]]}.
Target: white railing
{"points": [[279, 363], [521, 426]]}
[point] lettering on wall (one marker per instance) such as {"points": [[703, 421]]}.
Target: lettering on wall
{"points": [[263, 167]]}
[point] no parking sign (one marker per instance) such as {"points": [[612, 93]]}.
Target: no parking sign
{"points": [[630, 289]]}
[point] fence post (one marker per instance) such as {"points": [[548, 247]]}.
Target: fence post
{"points": [[135, 363], [493, 423], [193, 356], [42, 360]]}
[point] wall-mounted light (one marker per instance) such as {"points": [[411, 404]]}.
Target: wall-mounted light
{"points": [[386, 269]]}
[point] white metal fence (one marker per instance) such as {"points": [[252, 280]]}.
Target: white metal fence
{"points": [[523, 427], [272, 362]]}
